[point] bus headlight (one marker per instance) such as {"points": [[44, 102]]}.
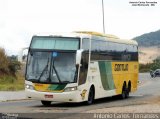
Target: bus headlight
{"points": [[29, 87], [70, 89]]}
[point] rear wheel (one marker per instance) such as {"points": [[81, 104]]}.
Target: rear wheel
{"points": [[90, 96], [46, 103], [123, 95], [128, 90], [125, 92]]}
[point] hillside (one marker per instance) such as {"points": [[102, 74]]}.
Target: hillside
{"points": [[149, 46], [149, 39], [148, 54]]}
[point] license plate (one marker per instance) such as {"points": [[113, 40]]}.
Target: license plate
{"points": [[48, 96]]}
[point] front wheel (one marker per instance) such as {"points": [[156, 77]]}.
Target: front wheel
{"points": [[90, 96], [46, 103]]}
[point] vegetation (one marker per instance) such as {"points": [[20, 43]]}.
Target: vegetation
{"points": [[11, 83], [149, 39], [3, 62], [150, 66], [10, 77]]}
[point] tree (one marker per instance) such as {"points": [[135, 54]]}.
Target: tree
{"points": [[156, 64], [8, 65], [3, 61]]}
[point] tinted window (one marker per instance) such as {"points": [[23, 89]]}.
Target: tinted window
{"points": [[104, 50]]}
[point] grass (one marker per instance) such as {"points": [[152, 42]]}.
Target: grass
{"points": [[12, 83]]}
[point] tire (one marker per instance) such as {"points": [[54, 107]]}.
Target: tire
{"points": [[46, 103], [90, 96], [125, 93], [128, 90]]}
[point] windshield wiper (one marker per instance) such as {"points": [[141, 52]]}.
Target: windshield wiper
{"points": [[56, 72], [44, 70], [32, 80], [66, 82]]}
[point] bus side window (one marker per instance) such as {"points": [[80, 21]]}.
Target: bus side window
{"points": [[83, 68], [84, 61]]}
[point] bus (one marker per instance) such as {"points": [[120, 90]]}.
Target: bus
{"points": [[80, 67]]}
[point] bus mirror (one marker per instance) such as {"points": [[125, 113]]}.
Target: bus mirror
{"points": [[78, 56]]}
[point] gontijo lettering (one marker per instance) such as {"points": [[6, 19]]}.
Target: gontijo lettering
{"points": [[121, 67]]}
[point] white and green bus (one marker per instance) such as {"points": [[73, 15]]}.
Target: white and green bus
{"points": [[80, 66]]}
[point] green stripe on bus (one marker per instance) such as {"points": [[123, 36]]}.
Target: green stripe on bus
{"points": [[61, 87], [106, 75], [56, 87]]}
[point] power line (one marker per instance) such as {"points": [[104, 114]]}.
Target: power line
{"points": [[103, 17]]}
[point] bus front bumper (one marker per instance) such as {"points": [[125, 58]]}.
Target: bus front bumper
{"points": [[71, 96]]}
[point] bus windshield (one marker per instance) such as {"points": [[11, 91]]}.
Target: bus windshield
{"points": [[54, 43], [51, 67], [52, 59]]}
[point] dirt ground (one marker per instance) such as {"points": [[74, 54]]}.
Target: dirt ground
{"points": [[147, 55]]}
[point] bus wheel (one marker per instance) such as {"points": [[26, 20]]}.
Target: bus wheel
{"points": [[125, 93], [90, 96], [46, 103], [128, 90], [123, 96]]}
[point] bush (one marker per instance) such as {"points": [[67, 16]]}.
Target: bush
{"points": [[7, 65], [156, 64], [10, 78], [14, 66], [150, 66], [3, 61]]}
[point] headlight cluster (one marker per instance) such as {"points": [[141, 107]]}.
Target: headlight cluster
{"points": [[70, 89], [27, 86]]}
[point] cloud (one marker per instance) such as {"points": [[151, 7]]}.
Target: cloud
{"points": [[21, 19]]}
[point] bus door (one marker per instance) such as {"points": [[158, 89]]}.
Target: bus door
{"points": [[84, 61]]}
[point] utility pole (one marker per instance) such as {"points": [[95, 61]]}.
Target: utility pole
{"points": [[103, 17]]}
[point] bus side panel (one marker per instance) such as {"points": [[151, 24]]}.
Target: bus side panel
{"points": [[108, 77], [125, 72], [104, 84]]}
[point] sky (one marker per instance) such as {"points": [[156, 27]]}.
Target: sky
{"points": [[21, 19]]}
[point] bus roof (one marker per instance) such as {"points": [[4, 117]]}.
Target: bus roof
{"points": [[109, 37], [85, 34], [97, 34]]}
